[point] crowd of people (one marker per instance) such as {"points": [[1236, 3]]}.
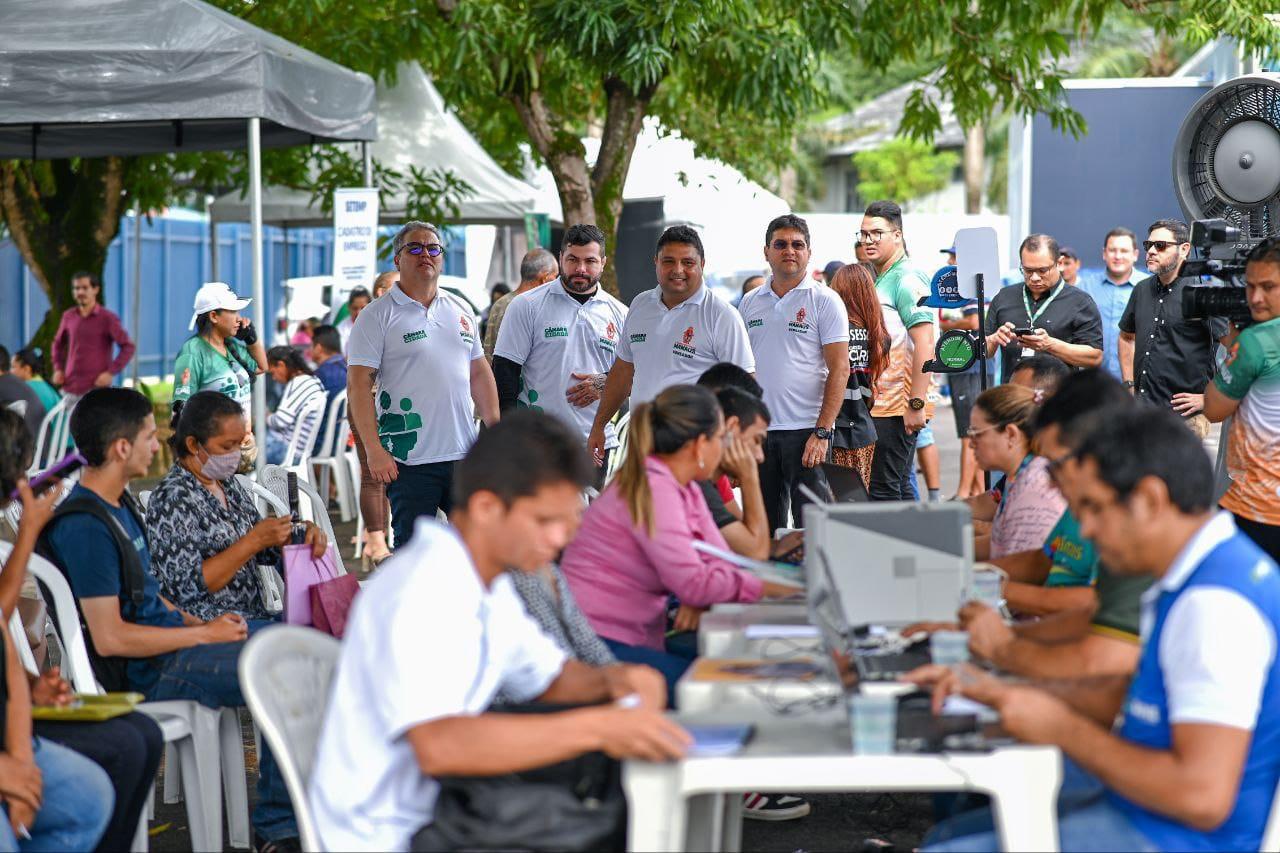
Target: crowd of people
{"points": [[562, 485]]}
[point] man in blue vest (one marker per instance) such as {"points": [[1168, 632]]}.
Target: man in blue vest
{"points": [[1195, 761]]}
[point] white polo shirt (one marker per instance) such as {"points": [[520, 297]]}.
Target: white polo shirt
{"points": [[787, 336], [423, 357], [675, 346], [552, 336], [426, 640]]}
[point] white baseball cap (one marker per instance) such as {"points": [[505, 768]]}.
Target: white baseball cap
{"points": [[216, 296]]}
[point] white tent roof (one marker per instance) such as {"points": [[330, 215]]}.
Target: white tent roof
{"points": [[729, 210], [416, 129]]}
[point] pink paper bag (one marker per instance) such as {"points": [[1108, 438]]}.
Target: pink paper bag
{"points": [[301, 572]]}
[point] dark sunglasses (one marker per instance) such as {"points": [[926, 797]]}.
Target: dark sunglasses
{"points": [[433, 250], [798, 245], [1158, 245]]}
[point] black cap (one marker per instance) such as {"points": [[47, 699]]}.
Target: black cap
{"points": [[1068, 252], [830, 270]]}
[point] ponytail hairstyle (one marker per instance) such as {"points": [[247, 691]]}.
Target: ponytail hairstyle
{"points": [[290, 358], [1010, 404], [674, 418]]}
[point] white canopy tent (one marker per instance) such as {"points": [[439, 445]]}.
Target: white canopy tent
{"points": [[94, 78]]}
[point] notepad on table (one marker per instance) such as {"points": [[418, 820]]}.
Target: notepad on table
{"points": [[710, 741]]}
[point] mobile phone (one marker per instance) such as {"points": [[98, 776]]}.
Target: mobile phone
{"points": [[1022, 332], [64, 467]]}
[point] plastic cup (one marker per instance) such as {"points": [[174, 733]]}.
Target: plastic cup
{"points": [[948, 647], [874, 720], [987, 588]]}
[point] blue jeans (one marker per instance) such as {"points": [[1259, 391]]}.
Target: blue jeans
{"points": [[416, 491], [76, 805], [207, 674], [1086, 822], [672, 666], [277, 448]]}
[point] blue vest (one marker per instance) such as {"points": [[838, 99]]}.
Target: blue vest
{"points": [[1239, 565]]}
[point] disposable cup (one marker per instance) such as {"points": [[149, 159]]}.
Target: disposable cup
{"points": [[874, 721], [948, 647]]}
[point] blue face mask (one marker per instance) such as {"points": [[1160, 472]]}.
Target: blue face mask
{"points": [[220, 466]]}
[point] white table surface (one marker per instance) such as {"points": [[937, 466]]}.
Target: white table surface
{"points": [[721, 630]]}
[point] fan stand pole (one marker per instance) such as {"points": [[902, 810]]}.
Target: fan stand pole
{"points": [[982, 351]]}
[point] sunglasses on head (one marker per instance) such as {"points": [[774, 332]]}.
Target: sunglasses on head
{"points": [[433, 250]]}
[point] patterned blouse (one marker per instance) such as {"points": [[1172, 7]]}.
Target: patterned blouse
{"points": [[187, 525]]}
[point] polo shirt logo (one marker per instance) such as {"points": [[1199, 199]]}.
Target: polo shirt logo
{"points": [[465, 334], [688, 336], [684, 348], [610, 331], [755, 324], [420, 335], [1144, 711], [637, 339], [609, 340], [798, 324], [555, 332]]}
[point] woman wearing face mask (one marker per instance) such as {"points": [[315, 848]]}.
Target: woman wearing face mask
{"points": [[206, 536]]}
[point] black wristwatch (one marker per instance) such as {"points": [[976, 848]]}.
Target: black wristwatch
{"points": [[916, 403], [822, 433]]}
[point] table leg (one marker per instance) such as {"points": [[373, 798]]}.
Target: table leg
{"points": [[732, 822], [656, 818], [1026, 805]]}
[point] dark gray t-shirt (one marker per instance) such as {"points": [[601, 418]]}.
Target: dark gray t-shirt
{"points": [[719, 512]]}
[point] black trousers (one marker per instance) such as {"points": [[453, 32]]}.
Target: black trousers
{"points": [[781, 475], [1265, 536], [416, 491], [129, 748], [891, 465]]}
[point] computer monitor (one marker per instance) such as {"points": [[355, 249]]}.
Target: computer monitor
{"points": [[892, 563]]}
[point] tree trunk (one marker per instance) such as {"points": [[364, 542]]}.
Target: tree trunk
{"points": [[974, 158], [62, 216]]}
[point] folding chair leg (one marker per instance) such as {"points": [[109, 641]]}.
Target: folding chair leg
{"points": [[172, 775], [206, 829], [205, 732]]}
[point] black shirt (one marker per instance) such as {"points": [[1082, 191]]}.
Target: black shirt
{"points": [[719, 512], [1171, 354], [854, 427], [1072, 316]]}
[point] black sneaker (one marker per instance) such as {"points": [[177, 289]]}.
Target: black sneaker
{"points": [[773, 806]]}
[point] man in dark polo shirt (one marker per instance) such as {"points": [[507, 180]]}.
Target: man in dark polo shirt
{"points": [[1166, 359], [1065, 319]]}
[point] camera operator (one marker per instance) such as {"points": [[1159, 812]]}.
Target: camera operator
{"points": [[1248, 386], [1166, 358]]}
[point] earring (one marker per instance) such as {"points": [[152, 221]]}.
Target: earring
{"points": [[701, 464]]}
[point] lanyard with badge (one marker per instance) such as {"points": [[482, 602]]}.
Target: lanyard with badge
{"points": [[1033, 316]]}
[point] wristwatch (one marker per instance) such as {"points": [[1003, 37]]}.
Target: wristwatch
{"points": [[916, 403], [822, 433]]}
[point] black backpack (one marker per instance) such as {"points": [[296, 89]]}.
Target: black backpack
{"points": [[111, 672]]}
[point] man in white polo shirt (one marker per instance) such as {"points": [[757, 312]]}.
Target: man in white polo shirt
{"points": [[558, 342], [440, 629], [674, 332], [799, 332], [423, 347]]}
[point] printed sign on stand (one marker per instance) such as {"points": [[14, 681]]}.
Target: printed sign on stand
{"points": [[355, 239]]}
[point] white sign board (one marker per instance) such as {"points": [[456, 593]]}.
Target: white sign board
{"points": [[977, 253], [355, 238]]}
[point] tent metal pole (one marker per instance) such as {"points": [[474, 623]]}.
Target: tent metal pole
{"points": [[366, 160], [137, 289], [213, 240], [259, 303]]}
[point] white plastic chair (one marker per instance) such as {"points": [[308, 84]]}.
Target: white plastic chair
{"points": [[329, 459], [302, 441], [276, 479], [285, 673], [51, 440], [353, 471], [191, 731], [19, 407]]}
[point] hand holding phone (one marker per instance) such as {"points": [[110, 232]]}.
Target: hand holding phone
{"points": [[51, 476], [1024, 332]]}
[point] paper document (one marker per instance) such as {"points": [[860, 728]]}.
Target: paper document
{"points": [[783, 573], [772, 632], [718, 740]]}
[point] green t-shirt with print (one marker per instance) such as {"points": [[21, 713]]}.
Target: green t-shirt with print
{"points": [[1074, 562], [200, 367]]}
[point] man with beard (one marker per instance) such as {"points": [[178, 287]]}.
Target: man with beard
{"points": [[673, 333], [421, 345], [557, 343], [1165, 357]]}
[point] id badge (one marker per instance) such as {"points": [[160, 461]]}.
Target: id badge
{"points": [[1027, 352]]}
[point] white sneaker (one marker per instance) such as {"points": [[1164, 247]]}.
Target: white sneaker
{"points": [[773, 806]]}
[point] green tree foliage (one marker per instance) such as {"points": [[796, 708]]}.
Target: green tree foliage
{"points": [[903, 170]]}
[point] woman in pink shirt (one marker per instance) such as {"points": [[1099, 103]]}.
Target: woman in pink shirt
{"points": [[635, 547]]}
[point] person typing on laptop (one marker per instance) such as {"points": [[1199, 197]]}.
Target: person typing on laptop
{"points": [[1195, 759]]}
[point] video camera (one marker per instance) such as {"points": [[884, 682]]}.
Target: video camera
{"points": [[1223, 254]]}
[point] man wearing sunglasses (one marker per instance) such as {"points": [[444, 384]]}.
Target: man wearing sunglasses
{"points": [[1055, 318], [423, 347], [1166, 359]]}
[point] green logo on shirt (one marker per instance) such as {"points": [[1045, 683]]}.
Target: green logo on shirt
{"points": [[637, 339], [420, 335], [529, 393], [755, 324], [398, 432], [555, 332]]}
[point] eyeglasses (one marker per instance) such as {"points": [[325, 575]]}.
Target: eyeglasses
{"points": [[1158, 245], [974, 433], [783, 245], [1038, 272], [433, 250], [871, 236]]}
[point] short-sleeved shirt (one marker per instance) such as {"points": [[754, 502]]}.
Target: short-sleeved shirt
{"points": [[423, 357], [1250, 373], [1072, 316], [188, 525], [1172, 354], [426, 641], [674, 346], [552, 336], [87, 549], [1027, 511], [899, 289], [1119, 604], [200, 367], [787, 335], [1073, 559], [1111, 298], [854, 426], [716, 503], [493, 325]]}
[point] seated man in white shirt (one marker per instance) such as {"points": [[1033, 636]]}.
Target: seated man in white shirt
{"points": [[1195, 759], [440, 630]]}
